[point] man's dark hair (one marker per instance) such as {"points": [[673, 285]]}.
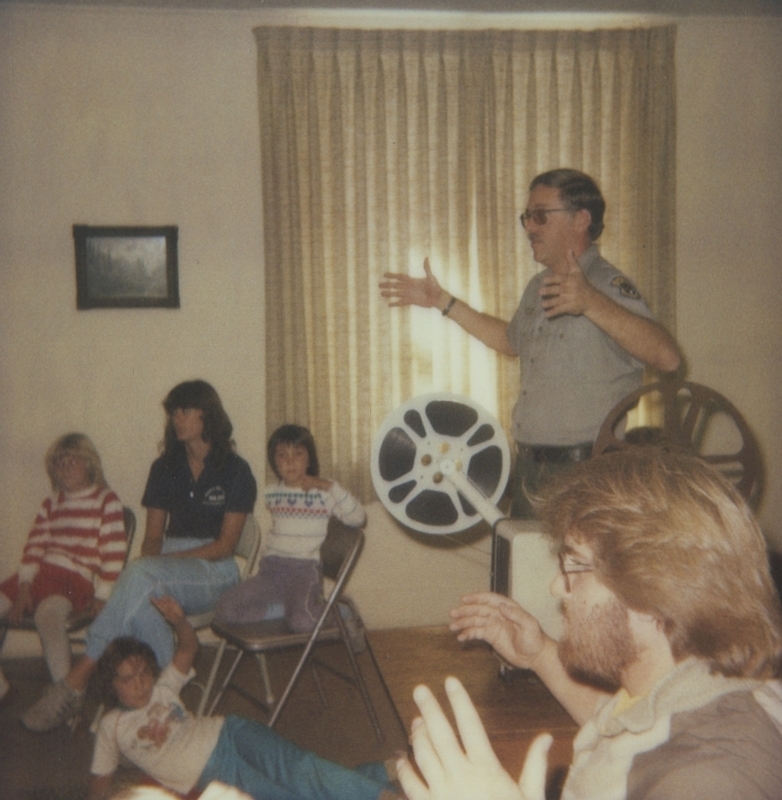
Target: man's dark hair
{"points": [[579, 191]]}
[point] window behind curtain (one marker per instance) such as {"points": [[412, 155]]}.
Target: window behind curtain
{"points": [[382, 147]]}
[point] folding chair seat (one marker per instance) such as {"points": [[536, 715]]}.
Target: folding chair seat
{"points": [[79, 620], [338, 554]]}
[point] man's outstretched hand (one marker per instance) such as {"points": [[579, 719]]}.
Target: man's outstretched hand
{"points": [[402, 290]]}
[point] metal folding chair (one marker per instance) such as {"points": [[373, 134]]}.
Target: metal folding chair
{"points": [[338, 553]]}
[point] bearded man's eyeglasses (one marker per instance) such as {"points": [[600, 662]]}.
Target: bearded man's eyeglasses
{"points": [[569, 567]]}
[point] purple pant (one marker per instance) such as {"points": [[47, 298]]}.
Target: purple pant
{"points": [[294, 582]]}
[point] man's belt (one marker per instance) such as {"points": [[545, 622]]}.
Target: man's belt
{"points": [[543, 454]]}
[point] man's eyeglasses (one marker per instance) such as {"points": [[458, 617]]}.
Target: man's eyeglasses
{"points": [[539, 215], [568, 568]]}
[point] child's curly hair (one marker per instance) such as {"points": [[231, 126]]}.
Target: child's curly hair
{"points": [[106, 670]]}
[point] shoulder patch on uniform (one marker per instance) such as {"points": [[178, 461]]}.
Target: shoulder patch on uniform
{"points": [[626, 287]]}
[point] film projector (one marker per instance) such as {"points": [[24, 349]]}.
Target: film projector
{"points": [[440, 463]]}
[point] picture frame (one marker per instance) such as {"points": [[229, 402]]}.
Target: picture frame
{"points": [[126, 267]]}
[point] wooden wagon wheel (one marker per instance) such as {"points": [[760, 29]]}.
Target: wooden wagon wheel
{"points": [[688, 411]]}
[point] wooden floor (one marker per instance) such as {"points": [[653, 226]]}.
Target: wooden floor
{"points": [[514, 707]]}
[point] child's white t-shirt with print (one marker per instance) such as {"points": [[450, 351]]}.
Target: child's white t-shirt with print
{"points": [[163, 739]]}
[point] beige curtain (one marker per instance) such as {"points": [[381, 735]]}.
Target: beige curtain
{"points": [[382, 147]]}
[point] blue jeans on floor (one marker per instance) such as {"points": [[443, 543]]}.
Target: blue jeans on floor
{"points": [[252, 757], [195, 583]]}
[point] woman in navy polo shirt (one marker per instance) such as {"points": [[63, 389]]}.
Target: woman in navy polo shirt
{"points": [[197, 497]]}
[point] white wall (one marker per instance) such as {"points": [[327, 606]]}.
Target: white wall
{"points": [[128, 119], [729, 236], [150, 117]]}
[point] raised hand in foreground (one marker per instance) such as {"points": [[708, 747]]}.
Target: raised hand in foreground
{"points": [[466, 770]]}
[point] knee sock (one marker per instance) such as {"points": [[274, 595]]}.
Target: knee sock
{"points": [[50, 619]]}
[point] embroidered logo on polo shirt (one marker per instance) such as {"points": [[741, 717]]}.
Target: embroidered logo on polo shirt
{"points": [[626, 288], [214, 496]]}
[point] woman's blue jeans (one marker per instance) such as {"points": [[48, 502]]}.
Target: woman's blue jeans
{"points": [[195, 583]]}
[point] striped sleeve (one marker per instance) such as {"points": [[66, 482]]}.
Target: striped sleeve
{"points": [[112, 545], [37, 542]]}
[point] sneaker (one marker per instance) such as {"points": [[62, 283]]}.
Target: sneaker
{"points": [[354, 625], [58, 704]]}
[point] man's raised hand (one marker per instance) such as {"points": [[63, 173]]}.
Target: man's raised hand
{"points": [[568, 293]]}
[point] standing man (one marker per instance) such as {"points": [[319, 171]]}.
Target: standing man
{"points": [[582, 331], [668, 603]]}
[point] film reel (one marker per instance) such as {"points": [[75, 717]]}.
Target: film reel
{"points": [[440, 463]]}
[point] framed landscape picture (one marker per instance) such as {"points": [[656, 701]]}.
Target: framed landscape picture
{"points": [[126, 267]]}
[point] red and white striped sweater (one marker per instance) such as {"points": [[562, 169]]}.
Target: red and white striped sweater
{"points": [[81, 531]]}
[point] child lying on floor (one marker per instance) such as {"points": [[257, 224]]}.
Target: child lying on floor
{"points": [[151, 727]]}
